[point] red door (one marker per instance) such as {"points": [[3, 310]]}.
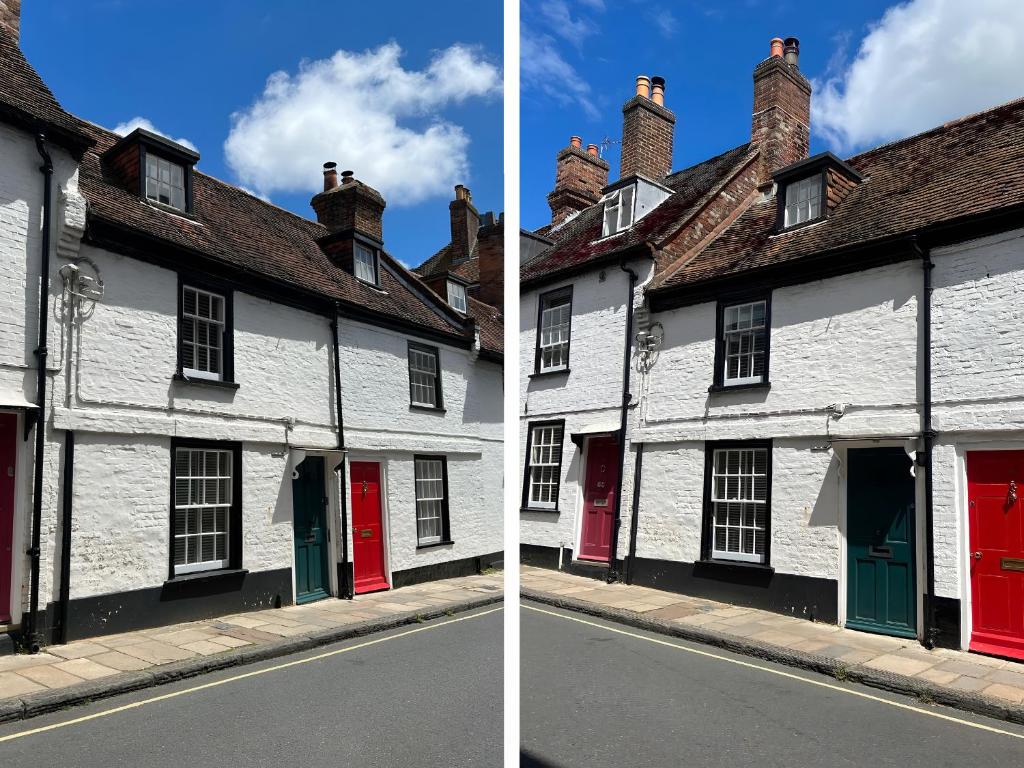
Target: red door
{"points": [[8, 449], [995, 481], [601, 483], [367, 528]]}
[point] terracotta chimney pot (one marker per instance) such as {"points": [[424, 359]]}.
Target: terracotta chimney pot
{"points": [[330, 176], [658, 91], [776, 52], [592, 150], [347, 177], [575, 141], [643, 86]]}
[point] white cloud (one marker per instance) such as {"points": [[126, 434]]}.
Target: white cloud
{"points": [[368, 114], [556, 17], [123, 129], [925, 62], [543, 67], [663, 20]]}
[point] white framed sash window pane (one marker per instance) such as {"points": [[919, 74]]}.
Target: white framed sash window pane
{"points": [[202, 509], [545, 465], [618, 211], [554, 334], [364, 264], [423, 377], [202, 334], [744, 336], [430, 501], [739, 496], [457, 296], [803, 201], [165, 182]]}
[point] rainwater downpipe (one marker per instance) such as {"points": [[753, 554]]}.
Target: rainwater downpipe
{"points": [[344, 582], [31, 635]]}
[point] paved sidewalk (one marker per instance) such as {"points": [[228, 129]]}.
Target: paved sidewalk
{"points": [[109, 664], [957, 678]]}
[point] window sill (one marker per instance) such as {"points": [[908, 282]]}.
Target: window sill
{"points": [[540, 374], [185, 214], [447, 543], [183, 379], [221, 573], [541, 510], [428, 408], [716, 388], [738, 565]]}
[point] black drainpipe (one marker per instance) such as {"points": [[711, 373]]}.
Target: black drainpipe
{"points": [[627, 348], [32, 639], [60, 634], [928, 433], [344, 580], [633, 522]]}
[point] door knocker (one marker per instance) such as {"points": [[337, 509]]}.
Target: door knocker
{"points": [[1011, 497], [364, 489]]}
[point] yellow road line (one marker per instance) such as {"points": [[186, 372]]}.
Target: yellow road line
{"points": [[781, 673], [236, 678]]}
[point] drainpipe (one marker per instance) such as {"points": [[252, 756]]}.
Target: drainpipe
{"points": [[627, 348], [60, 634], [345, 584], [634, 522], [928, 434], [32, 639]]}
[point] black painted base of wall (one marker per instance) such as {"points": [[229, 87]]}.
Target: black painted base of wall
{"points": [[947, 622], [449, 570], [547, 557], [173, 603]]}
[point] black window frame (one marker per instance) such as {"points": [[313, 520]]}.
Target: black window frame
{"points": [[708, 507], [718, 379], [436, 352], [234, 517], [530, 426], [780, 223], [225, 290], [446, 524], [547, 296]]}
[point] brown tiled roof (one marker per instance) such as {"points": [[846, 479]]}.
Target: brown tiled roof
{"points": [[578, 241], [25, 98], [492, 325], [968, 167], [468, 270]]}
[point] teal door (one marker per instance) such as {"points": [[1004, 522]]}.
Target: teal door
{"points": [[311, 534], [881, 593]]}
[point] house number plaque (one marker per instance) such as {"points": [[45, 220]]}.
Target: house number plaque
{"points": [[365, 533], [1012, 564]]}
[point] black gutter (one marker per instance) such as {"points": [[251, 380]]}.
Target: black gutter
{"points": [[627, 349], [31, 636], [60, 632], [634, 523], [345, 585], [928, 433]]}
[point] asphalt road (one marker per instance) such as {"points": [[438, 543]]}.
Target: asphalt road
{"points": [[599, 693], [425, 695]]}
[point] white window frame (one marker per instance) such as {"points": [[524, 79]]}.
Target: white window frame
{"points": [[546, 447], [743, 493], [618, 210], [198, 320], [744, 333], [457, 296], [554, 334], [423, 377], [165, 180], [364, 259], [431, 496], [803, 201], [198, 482]]}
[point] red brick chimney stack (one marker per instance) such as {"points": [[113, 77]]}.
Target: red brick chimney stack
{"points": [[647, 131], [465, 221], [491, 252], [781, 123], [580, 175], [349, 206], [10, 18]]}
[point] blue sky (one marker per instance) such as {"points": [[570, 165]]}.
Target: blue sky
{"points": [[881, 71], [412, 103]]}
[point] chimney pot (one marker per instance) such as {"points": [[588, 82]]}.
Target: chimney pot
{"points": [[592, 149], [330, 176], [575, 141], [776, 51], [658, 90], [643, 86], [347, 177], [792, 51], [462, 193]]}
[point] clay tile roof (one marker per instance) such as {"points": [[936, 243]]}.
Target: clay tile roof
{"points": [[578, 241], [468, 269], [967, 167], [491, 323]]}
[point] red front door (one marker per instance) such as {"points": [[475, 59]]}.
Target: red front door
{"points": [[995, 482], [367, 528], [8, 454], [601, 483]]}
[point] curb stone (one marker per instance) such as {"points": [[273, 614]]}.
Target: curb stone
{"points": [[924, 690], [43, 702]]}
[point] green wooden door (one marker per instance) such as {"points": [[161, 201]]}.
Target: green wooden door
{"points": [[311, 536], [881, 593]]}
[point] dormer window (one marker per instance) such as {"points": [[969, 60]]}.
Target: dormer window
{"points": [[165, 182], [618, 210], [803, 201], [153, 168], [457, 296], [810, 190], [364, 264]]}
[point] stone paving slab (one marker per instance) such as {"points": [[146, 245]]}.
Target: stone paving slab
{"points": [[87, 670], [983, 684]]}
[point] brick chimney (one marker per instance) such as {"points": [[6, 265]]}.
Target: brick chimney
{"points": [[349, 206], [465, 222], [781, 124], [10, 18], [647, 129], [579, 178], [491, 253]]}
